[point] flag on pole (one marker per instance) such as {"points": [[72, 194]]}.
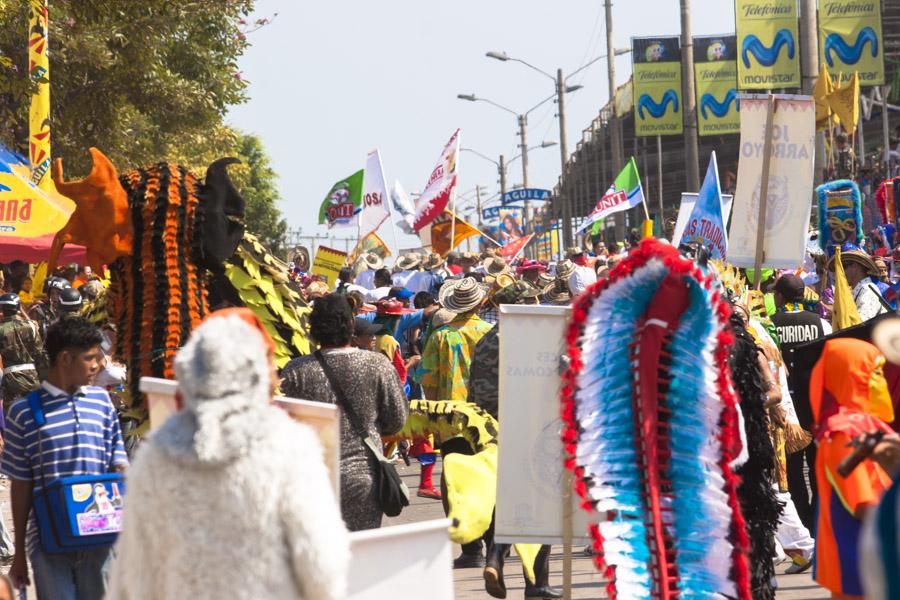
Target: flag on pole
{"points": [[443, 227], [370, 244], [626, 192], [403, 206], [844, 312], [823, 88], [343, 203], [39, 111], [375, 199], [513, 249], [706, 224], [844, 102], [440, 187]]}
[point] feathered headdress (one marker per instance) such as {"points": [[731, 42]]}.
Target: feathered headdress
{"points": [[651, 422]]}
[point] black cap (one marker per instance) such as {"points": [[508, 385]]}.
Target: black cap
{"points": [[363, 327], [790, 286]]}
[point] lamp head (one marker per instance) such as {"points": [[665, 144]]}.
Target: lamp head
{"points": [[497, 55], [573, 88], [469, 97]]}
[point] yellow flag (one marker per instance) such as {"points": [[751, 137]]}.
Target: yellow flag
{"points": [[844, 101], [440, 233], [39, 112], [823, 88], [370, 243], [844, 313]]}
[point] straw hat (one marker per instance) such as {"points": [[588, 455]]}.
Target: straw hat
{"points": [[409, 262], [556, 294], [495, 265], [434, 261], [564, 268], [461, 296], [468, 257], [373, 261], [886, 336], [856, 256], [574, 251], [441, 317], [545, 279], [516, 293]]}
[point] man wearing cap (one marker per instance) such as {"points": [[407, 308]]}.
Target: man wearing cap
{"points": [[859, 268], [20, 349], [583, 275], [797, 326], [444, 370]]}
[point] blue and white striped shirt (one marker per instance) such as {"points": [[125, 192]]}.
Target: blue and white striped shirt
{"points": [[81, 437]]}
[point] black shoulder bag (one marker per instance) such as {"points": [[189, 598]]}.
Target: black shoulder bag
{"points": [[393, 494]]}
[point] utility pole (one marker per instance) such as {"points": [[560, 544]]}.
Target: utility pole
{"points": [[614, 125], [478, 203], [564, 157], [809, 62], [689, 99], [523, 139], [502, 169]]}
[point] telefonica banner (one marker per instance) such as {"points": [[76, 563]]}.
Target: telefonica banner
{"points": [[715, 71], [526, 194], [768, 44], [850, 39], [657, 86]]}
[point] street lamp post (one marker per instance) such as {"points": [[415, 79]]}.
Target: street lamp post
{"points": [[503, 164], [559, 83]]}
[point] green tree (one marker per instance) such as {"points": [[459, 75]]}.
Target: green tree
{"points": [[132, 78]]}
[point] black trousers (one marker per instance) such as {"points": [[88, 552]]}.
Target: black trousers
{"points": [[803, 486]]}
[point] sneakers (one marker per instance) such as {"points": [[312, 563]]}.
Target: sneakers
{"points": [[432, 493], [800, 565]]}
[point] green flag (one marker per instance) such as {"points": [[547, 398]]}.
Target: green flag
{"points": [[626, 192], [343, 203]]}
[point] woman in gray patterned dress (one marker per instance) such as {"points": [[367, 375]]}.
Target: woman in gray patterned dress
{"points": [[370, 383]]}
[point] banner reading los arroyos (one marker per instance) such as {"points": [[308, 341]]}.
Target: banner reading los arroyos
{"points": [[850, 39], [790, 182], [767, 43], [657, 86], [715, 73]]}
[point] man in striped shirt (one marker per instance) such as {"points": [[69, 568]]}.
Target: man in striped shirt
{"points": [[81, 436]]}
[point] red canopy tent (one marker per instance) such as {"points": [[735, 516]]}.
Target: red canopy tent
{"points": [[37, 250]]}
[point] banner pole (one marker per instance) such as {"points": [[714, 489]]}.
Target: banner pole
{"points": [[861, 155], [659, 182], [764, 192], [567, 483]]}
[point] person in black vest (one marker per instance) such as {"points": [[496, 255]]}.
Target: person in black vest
{"points": [[796, 326]]}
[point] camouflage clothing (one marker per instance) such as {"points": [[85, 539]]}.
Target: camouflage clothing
{"points": [[484, 376], [20, 348], [43, 314]]}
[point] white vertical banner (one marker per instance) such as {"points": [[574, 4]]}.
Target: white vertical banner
{"points": [[375, 196], [790, 181], [440, 187], [530, 463]]}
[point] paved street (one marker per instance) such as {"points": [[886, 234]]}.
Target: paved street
{"points": [[586, 581]]}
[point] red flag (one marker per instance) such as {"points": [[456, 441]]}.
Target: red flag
{"points": [[511, 250]]}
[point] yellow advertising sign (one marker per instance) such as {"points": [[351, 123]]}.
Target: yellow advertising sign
{"points": [[657, 86], [328, 264], [850, 39], [715, 72], [768, 44]]}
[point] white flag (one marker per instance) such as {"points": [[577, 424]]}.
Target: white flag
{"points": [[403, 207], [375, 208], [440, 187]]}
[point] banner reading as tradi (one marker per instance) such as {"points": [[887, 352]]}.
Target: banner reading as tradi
{"points": [[790, 182]]}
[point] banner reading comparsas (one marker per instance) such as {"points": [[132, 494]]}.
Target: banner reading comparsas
{"points": [[657, 86], [850, 39], [715, 71], [768, 44]]}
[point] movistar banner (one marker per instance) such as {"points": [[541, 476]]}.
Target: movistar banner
{"points": [[850, 39], [715, 71], [768, 44], [657, 86]]}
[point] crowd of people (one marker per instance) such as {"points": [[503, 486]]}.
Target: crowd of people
{"points": [[428, 329]]}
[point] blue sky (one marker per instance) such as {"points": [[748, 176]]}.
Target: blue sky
{"points": [[332, 80]]}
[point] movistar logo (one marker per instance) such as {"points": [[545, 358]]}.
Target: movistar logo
{"points": [[719, 109], [647, 102], [767, 56], [850, 55]]}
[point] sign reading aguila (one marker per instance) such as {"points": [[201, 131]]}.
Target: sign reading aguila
{"points": [[526, 194]]}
